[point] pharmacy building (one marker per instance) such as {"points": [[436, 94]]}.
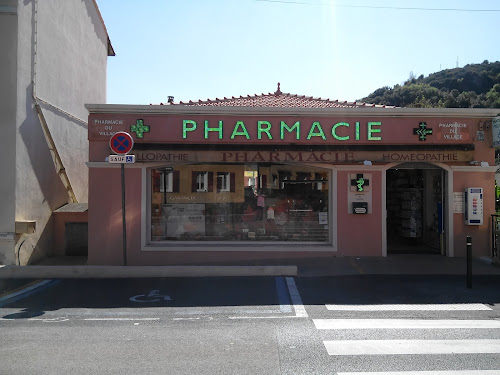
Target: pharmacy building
{"points": [[277, 176]]}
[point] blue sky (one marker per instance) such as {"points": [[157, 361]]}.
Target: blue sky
{"points": [[336, 49]]}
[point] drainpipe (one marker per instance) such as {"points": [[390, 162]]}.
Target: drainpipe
{"points": [[60, 170]]}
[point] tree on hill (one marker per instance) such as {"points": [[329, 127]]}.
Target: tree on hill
{"points": [[473, 86]]}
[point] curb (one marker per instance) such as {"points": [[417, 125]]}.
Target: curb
{"points": [[107, 272]]}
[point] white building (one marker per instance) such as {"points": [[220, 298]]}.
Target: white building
{"points": [[53, 60]]}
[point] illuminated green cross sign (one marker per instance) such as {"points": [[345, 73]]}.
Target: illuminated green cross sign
{"points": [[139, 128], [360, 182], [422, 131]]}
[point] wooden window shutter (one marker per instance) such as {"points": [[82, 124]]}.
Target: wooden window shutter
{"points": [[232, 182], [210, 181], [219, 183], [264, 181], [155, 176], [194, 175], [176, 181]]}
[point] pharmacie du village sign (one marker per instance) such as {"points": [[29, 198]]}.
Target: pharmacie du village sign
{"points": [[288, 130]]}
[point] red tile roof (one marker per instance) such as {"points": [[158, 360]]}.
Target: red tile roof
{"points": [[279, 99]]}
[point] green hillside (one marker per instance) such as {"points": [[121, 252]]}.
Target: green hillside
{"points": [[473, 86]]}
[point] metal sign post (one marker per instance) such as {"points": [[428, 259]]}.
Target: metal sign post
{"points": [[121, 143], [123, 217]]}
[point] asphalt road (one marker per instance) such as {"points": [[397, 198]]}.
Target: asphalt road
{"points": [[259, 325]]}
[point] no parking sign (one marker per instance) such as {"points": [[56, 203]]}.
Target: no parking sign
{"points": [[121, 143]]}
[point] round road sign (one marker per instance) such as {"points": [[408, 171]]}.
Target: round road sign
{"points": [[121, 143]]}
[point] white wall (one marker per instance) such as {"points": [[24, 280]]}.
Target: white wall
{"points": [[8, 66], [68, 67], [71, 71]]}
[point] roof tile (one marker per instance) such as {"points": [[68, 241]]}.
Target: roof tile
{"points": [[279, 99]]}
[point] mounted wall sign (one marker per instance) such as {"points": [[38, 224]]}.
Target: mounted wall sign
{"points": [[360, 182], [422, 131], [139, 128], [121, 143]]}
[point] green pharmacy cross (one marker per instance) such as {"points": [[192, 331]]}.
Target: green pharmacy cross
{"points": [[422, 131], [139, 128], [360, 182]]}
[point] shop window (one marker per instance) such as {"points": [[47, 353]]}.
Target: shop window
{"points": [[249, 202]]}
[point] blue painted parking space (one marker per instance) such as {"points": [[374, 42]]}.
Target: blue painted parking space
{"points": [[252, 296]]}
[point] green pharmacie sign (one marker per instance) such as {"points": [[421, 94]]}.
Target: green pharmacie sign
{"points": [[265, 130]]}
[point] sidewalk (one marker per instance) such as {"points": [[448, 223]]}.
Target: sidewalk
{"points": [[75, 267], [401, 264]]}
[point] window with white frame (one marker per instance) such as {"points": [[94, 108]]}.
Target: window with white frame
{"points": [[166, 182], [223, 181], [202, 181]]}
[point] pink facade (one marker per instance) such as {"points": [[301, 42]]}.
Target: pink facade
{"points": [[359, 234], [328, 182]]}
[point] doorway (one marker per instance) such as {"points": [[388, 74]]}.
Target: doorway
{"points": [[415, 209]]}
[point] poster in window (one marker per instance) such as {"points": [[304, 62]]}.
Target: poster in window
{"points": [[323, 218], [184, 219]]}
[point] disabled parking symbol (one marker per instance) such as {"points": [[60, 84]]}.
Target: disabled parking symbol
{"points": [[153, 296]]}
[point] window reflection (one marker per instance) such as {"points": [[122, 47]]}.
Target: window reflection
{"points": [[250, 202]]}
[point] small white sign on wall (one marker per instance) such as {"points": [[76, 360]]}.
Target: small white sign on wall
{"points": [[458, 203]]}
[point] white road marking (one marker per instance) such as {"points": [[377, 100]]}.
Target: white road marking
{"points": [[403, 324], [25, 290], [51, 320], [65, 319], [197, 319], [121, 319], [395, 347], [457, 372], [186, 318], [411, 307], [266, 317], [299, 308]]}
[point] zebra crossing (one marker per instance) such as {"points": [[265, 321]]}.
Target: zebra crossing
{"points": [[401, 342]]}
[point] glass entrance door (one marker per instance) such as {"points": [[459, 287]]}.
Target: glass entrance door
{"points": [[415, 211]]}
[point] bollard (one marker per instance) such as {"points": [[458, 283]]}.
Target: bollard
{"points": [[469, 262]]}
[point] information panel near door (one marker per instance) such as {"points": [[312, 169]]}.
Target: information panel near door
{"points": [[474, 206]]}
